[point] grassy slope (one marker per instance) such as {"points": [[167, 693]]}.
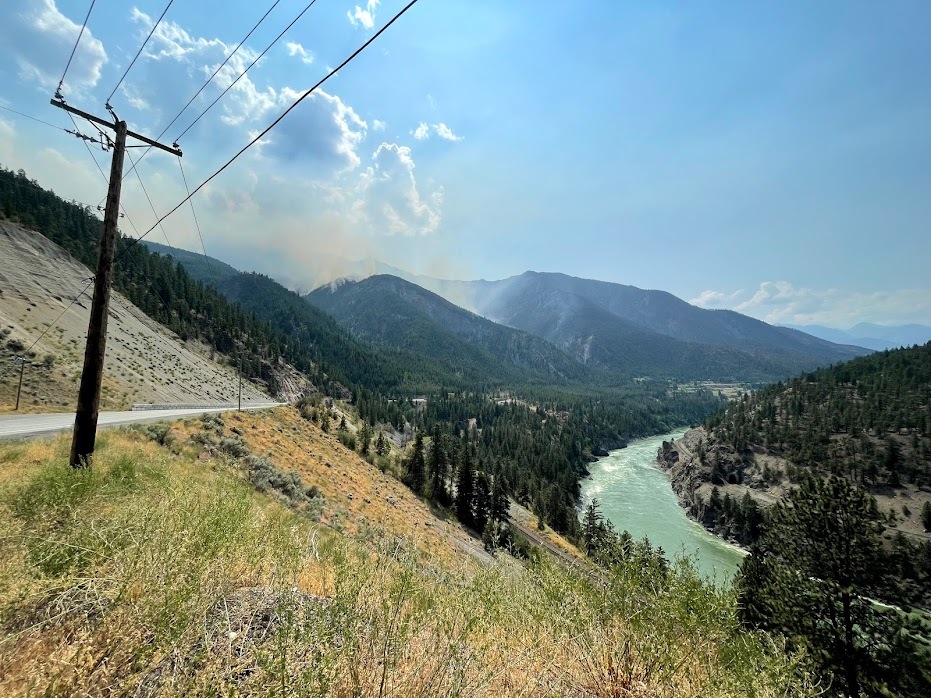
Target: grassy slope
{"points": [[161, 570]]}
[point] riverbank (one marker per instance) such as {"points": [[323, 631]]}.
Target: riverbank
{"points": [[636, 495]]}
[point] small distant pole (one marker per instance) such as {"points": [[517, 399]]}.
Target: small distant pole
{"points": [[240, 384], [22, 370]]}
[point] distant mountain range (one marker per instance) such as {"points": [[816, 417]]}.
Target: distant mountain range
{"points": [[872, 336], [546, 326], [392, 313], [638, 332]]}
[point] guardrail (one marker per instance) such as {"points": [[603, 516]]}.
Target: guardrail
{"points": [[139, 407]]}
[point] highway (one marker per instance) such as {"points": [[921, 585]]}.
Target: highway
{"points": [[21, 426]]}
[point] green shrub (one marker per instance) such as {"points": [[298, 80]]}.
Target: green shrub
{"points": [[234, 446]]}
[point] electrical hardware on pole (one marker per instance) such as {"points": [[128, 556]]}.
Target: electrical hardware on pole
{"points": [[85, 418]]}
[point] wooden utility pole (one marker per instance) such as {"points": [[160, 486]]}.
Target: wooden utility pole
{"points": [[22, 370], [85, 419], [240, 384]]}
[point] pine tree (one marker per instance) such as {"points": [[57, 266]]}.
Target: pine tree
{"points": [[481, 503], [438, 469], [465, 489], [926, 516], [365, 439], [381, 444], [819, 561], [414, 478], [592, 528]]}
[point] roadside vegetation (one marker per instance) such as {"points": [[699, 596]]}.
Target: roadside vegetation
{"points": [[174, 567]]}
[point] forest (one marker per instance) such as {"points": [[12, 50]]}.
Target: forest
{"points": [[535, 438]]}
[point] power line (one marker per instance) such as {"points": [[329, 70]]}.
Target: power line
{"points": [[243, 74], [138, 53], [277, 120], [193, 212], [203, 87], [220, 67], [105, 178], [53, 323], [151, 205], [71, 57], [34, 118]]}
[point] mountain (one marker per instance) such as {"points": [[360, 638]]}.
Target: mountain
{"points": [[638, 332], [872, 336], [201, 267], [867, 420], [145, 362], [393, 313]]}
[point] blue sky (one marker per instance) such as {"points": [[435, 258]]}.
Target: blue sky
{"points": [[769, 157]]}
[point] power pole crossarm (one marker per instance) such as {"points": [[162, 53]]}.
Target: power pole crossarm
{"points": [[85, 418], [109, 124]]}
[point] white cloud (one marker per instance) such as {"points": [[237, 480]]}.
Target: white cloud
{"points": [[716, 299], [389, 200], [295, 49], [323, 132], [445, 132], [378, 125], [40, 38], [423, 130], [364, 17], [780, 302]]}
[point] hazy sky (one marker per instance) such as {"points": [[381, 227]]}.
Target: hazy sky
{"points": [[770, 157]]}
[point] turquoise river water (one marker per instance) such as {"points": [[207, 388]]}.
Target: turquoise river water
{"points": [[635, 495]]}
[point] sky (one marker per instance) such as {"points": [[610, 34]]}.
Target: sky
{"points": [[773, 158]]}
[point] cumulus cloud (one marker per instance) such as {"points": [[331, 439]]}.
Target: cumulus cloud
{"points": [[780, 302], [378, 125], [364, 17], [295, 49], [39, 38], [423, 130], [389, 199], [323, 132]]}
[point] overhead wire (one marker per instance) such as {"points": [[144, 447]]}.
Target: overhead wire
{"points": [[105, 178], [138, 53], [193, 212], [149, 199], [75, 48], [60, 128], [204, 86], [53, 323], [274, 123], [243, 74]]}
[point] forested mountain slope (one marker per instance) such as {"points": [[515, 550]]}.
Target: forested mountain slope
{"points": [[661, 335], [396, 314], [158, 286], [145, 362], [265, 324], [867, 420]]}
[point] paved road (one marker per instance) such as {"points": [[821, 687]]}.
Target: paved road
{"points": [[21, 426]]}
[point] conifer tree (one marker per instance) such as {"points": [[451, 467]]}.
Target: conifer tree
{"points": [[414, 478], [438, 468], [819, 561], [465, 488]]}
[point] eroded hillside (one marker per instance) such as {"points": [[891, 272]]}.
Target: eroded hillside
{"points": [[144, 363]]}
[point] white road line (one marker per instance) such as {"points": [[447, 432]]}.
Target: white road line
{"points": [[25, 425]]}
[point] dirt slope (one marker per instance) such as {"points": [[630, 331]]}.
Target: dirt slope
{"points": [[144, 363]]}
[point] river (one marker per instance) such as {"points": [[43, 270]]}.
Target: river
{"points": [[635, 495]]}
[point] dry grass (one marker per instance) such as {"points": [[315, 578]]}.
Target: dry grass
{"points": [[162, 572]]}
